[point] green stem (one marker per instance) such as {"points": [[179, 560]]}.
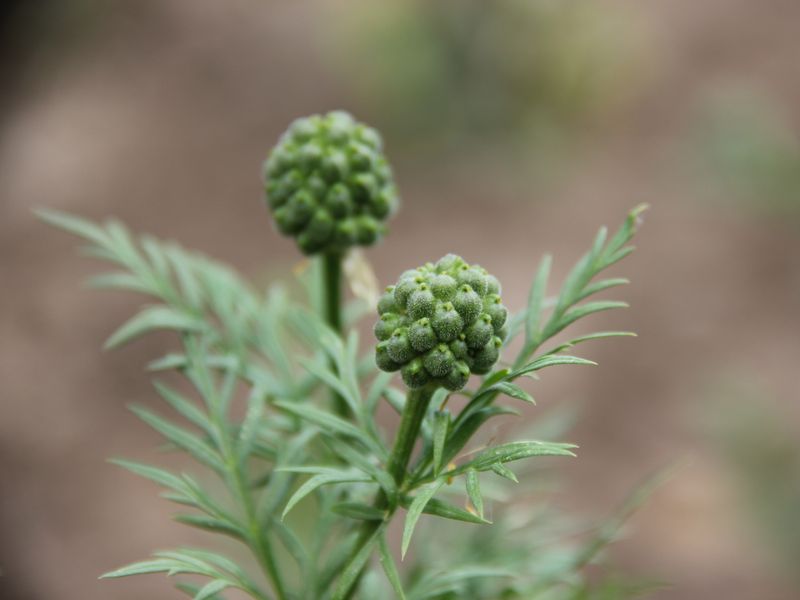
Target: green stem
{"points": [[331, 272], [256, 535], [414, 413], [332, 289]]}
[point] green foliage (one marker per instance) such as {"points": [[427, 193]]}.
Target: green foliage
{"points": [[328, 183], [486, 71], [309, 490]]}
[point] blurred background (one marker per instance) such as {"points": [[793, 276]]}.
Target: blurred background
{"points": [[515, 127]]}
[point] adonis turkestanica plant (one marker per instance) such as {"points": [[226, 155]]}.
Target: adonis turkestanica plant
{"points": [[311, 482]]}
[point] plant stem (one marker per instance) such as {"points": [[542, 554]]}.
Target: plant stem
{"points": [[414, 412], [258, 541], [332, 289], [331, 272], [236, 478]]}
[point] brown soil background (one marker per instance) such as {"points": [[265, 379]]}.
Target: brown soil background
{"points": [[163, 118]]}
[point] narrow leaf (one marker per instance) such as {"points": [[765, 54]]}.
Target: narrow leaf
{"points": [[549, 361], [190, 590], [513, 390], [512, 451], [474, 491], [504, 472], [359, 511], [292, 543], [585, 310], [212, 524], [353, 568], [140, 568], [441, 424], [331, 380], [182, 438], [587, 338], [185, 407], [74, 225], [120, 281], [440, 508], [599, 286], [390, 568], [494, 378], [212, 588], [415, 510], [329, 423], [159, 476], [251, 422], [459, 436], [320, 480], [168, 362], [152, 318]]}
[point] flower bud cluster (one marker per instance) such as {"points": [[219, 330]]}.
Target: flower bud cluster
{"points": [[441, 323], [328, 183]]}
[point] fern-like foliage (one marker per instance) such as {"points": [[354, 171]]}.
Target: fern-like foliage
{"points": [[301, 480]]}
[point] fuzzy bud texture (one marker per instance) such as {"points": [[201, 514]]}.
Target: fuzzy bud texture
{"points": [[329, 185], [440, 324]]}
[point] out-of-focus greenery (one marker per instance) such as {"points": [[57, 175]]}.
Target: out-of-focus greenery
{"points": [[539, 69], [749, 149], [762, 448]]}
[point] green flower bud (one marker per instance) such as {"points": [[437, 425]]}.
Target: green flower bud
{"points": [[403, 290], [335, 167], [345, 232], [386, 302], [310, 156], [306, 244], [457, 377], [334, 163], [421, 335], [439, 361], [468, 303], [449, 262], [446, 322], [302, 130], [443, 316], [480, 332], [414, 374], [421, 302], [298, 211], [492, 285], [386, 325], [459, 347], [338, 201], [281, 189], [483, 360], [317, 188], [444, 287], [283, 219], [473, 277], [361, 156], [320, 227], [367, 230], [369, 136], [495, 309], [340, 126], [382, 203], [502, 333], [399, 347], [383, 360]]}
